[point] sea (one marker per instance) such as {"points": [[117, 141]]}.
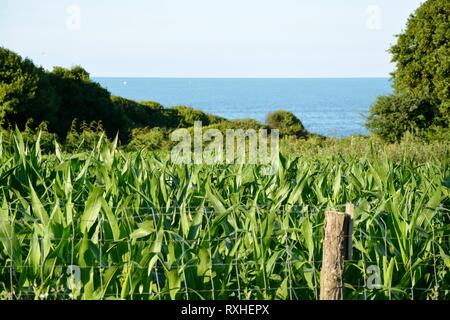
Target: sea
{"points": [[335, 107]]}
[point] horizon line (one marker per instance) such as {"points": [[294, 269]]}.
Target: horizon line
{"points": [[227, 77]]}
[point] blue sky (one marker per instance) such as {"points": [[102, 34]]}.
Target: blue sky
{"points": [[208, 38]]}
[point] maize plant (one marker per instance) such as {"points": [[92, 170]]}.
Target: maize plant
{"points": [[107, 224]]}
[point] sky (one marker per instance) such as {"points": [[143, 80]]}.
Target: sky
{"points": [[207, 38]]}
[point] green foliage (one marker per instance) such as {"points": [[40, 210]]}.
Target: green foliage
{"points": [[25, 91], [131, 115], [286, 122], [418, 148], [244, 124], [81, 99], [151, 105], [58, 97], [421, 79], [213, 119], [187, 117], [19, 80], [31, 136], [149, 139], [422, 55], [144, 114], [67, 96], [75, 73], [140, 227], [84, 136], [40, 135], [436, 134], [392, 116]]}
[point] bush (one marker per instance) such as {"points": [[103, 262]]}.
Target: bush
{"points": [[144, 114], [84, 136], [151, 105], [46, 139], [286, 122], [213, 119], [188, 116], [149, 139], [392, 116], [244, 124], [436, 134], [411, 147], [30, 136]]}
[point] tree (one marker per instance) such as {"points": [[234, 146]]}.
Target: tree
{"points": [[422, 54], [286, 122], [421, 77], [25, 92], [81, 99]]}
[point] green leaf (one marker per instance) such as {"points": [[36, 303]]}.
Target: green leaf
{"points": [[157, 243], [282, 291], [174, 282], [204, 262], [92, 209], [38, 208], [88, 289], [145, 228], [337, 185], [35, 252], [111, 218], [444, 257]]}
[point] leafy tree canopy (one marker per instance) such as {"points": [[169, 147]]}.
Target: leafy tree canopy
{"points": [[25, 91], [422, 55], [421, 98]]}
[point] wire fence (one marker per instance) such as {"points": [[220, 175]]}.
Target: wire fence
{"points": [[76, 251]]}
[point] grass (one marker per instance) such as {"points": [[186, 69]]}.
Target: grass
{"points": [[138, 227]]}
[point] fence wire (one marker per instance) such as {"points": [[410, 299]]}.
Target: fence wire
{"points": [[121, 252]]}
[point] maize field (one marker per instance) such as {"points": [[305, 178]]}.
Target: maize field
{"points": [[107, 224]]}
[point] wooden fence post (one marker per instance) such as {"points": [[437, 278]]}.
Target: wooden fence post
{"points": [[337, 247]]}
